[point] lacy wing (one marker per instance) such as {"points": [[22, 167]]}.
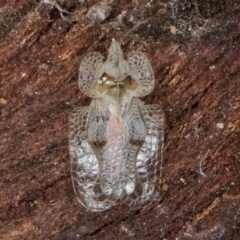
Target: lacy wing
{"points": [[148, 165], [84, 164]]}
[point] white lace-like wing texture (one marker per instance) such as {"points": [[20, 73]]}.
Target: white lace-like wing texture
{"points": [[114, 142]]}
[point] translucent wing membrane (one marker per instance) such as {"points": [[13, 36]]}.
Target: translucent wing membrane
{"points": [[114, 142], [141, 71], [85, 165], [145, 165]]}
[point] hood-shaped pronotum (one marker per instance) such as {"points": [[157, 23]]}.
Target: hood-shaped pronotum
{"points": [[116, 66]]}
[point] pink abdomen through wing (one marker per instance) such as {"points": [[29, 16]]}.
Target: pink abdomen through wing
{"points": [[112, 156]]}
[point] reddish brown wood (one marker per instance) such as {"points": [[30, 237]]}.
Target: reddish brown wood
{"points": [[196, 59]]}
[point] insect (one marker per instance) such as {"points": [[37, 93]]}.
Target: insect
{"points": [[113, 143]]}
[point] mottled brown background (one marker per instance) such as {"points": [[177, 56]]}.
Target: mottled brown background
{"points": [[194, 48]]}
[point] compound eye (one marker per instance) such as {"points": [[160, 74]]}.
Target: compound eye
{"points": [[106, 78], [129, 83], [104, 83]]}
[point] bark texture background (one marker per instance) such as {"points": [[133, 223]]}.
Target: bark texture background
{"points": [[194, 48]]}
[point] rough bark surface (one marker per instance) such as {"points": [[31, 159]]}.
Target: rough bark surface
{"points": [[194, 48]]}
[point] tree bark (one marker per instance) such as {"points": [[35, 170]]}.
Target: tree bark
{"points": [[193, 47]]}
